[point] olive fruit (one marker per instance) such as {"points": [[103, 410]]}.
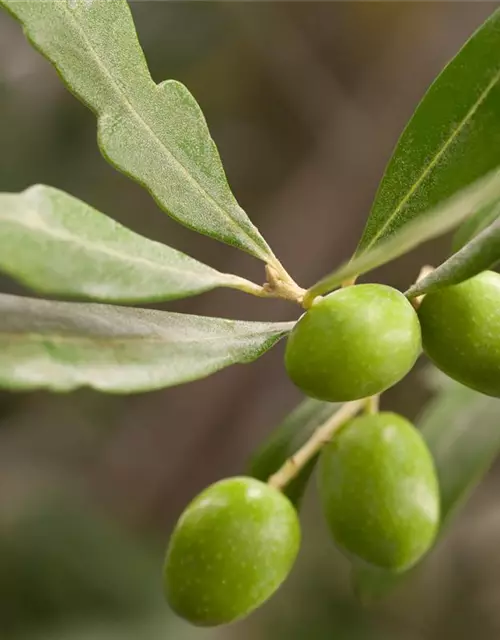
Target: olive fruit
{"points": [[356, 342], [379, 491], [461, 331], [231, 549]]}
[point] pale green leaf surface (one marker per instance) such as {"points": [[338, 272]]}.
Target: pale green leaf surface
{"points": [[286, 439], [461, 429], [62, 346], [452, 139], [434, 223], [155, 133], [474, 225], [481, 253], [57, 244]]}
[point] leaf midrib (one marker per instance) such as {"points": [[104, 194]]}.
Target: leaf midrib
{"points": [[436, 159], [65, 236], [155, 138], [142, 339]]}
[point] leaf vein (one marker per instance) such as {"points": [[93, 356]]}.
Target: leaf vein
{"points": [[97, 248], [141, 339], [436, 159], [153, 135]]}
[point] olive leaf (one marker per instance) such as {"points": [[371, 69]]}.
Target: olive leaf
{"points": [[481, 253], [460, 427], [62, 346], [452, 139], [154, 133], [474, 225], [439, 220], [57, 244], [285, 440]]}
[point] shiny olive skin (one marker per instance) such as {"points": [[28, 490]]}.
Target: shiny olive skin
{"points": [[231, 549], [379, 491], [356, 342], [461, 331]]}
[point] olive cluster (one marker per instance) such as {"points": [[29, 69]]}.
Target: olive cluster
{"points": [[237, 541], [361, 340]]}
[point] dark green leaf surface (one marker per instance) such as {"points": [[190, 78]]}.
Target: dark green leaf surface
{"points": [[62, 346], [154, 133], [474, 225], [452, 139], [461, 429], [286, 439], [434, 223], [480, 254], [57, 244]]}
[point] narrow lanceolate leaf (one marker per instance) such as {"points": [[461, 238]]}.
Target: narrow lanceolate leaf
{"points": [[286, 439], [57, 244], [452, 139], [439, 220], [156, 134], [474, 225], [62, 346], [480, 254], [460, 427]]}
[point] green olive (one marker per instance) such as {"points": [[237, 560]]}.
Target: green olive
{"points": [[356, 342], [379, 491], [461, 331], [231, 549]]}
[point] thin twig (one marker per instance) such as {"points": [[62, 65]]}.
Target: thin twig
{"points": [[320, 437], [279, 284]]}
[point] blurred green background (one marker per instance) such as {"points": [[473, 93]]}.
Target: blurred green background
{"points": [[305, 101]]}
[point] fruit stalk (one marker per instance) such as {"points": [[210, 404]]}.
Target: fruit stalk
{"points": [[320, 437], [372, 404], [424, 272]]}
